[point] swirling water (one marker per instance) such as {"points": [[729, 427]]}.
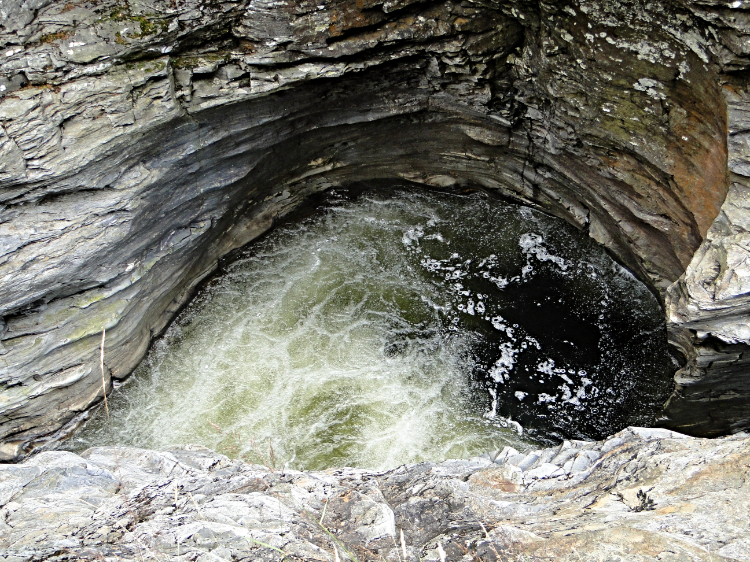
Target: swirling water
{"points": [[395, 326]]}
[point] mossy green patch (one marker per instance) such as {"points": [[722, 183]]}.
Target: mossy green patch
{"points": [[52, 37], [147, 24], [147, 66]]}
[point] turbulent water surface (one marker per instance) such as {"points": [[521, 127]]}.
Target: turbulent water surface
{"points": [[396, 326]]}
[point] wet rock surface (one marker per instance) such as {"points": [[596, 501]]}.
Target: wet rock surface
{"points": [[141, 141], [643, 494], [708, 307]]}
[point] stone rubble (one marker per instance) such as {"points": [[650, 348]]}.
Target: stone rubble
{"points": [[641, 495]]}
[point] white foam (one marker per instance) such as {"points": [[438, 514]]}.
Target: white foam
{"points": [[411, 236], [533, 245], [306, 345], [500, 371]]}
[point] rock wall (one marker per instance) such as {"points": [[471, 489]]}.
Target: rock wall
{"points": [[643, 495], [142, 140], [708, 308]]}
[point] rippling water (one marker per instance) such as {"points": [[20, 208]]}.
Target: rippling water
{"points": [[398, 326]]}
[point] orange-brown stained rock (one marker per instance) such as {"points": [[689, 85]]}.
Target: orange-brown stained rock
{"points": [[351, 15], [699, 146], [502, 479]]}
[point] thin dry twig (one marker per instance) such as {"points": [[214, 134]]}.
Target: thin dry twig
{"points": [[322, 515], [272, 457], [441, 552], [492, 544], [197, 507], [396, 545], [101, 365]]}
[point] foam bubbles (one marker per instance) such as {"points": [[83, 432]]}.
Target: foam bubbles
{"points": [[532, 244], [398, 327]]}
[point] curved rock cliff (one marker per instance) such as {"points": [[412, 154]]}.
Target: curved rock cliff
{"points": [[142, 140]]}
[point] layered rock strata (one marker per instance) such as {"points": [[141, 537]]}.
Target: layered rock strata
{"points": [[708, 307], [643, 495], [141, 141]]}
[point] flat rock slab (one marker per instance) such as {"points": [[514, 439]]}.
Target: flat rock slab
{"points": [[643, 494]]}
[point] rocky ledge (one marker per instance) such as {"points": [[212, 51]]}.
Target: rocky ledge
{"points": [[641, 495]]}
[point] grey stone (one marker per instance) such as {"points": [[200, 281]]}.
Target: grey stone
{"points": [[580, 463], [610, 444], [564, 456], [544, 470], [192, 503], [503, 455], [516, 460], [546, 455], [528, 461], [583, 461], [656, 433]]}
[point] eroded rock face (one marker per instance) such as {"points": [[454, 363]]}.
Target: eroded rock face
{"points": [[141, 141], [708, 307], [643, 494]]}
